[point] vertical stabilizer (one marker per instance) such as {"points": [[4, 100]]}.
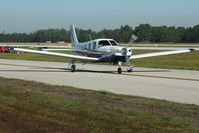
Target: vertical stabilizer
{"points": [[73, 35]]}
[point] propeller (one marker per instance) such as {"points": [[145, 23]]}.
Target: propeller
{"points": [[127, 58], [132, 39], [124, 52]]}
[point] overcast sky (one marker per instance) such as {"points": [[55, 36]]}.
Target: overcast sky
{"points": [[31, 15]]}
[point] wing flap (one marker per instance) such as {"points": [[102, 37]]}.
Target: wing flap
{"points": [[78, 57]]}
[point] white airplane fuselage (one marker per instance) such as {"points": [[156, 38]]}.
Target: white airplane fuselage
{"points": [[105, 49]]}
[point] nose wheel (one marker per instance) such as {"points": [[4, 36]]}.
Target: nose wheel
{"points": [[130, 66], [129, 69]]}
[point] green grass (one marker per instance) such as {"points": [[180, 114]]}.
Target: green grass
{"points": [[187, 61], [27, 106]]}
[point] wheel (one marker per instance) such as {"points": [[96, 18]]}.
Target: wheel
{"points": [[129, 70], [73, 68], [119, 70]]}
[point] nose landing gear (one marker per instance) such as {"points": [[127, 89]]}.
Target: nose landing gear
{"points": [[129, 68]]}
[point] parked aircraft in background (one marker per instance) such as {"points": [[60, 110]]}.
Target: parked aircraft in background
{"points": [[101, 50]]}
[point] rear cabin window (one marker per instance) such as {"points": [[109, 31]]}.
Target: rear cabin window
{"points": [[89, 46], [94, 45], [103, 43]]}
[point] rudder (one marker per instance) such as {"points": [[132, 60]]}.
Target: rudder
{"points": [[73, 35]]}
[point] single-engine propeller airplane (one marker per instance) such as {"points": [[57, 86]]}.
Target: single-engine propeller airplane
{"points": [[100, 50]]}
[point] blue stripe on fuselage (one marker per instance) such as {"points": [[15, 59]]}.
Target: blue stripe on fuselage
{"points": [[113, 59], [103, 56]]}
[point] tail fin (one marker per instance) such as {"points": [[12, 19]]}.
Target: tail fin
{"points": [[73, 35]]}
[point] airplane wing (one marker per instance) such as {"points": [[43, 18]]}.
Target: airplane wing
{"points": [[56, 49], [160, 53], [56, 54]]}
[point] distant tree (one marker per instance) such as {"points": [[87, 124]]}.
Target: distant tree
{"points": [[165, 34], [196, 33], [83, 35], [181, 32], [125, 33], [143, 32], [188, 35]]}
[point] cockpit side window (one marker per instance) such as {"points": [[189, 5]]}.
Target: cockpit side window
{"points": [[114, 43], [104, 43]]}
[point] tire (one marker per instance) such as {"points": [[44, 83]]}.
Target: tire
{"points": [[129, 70], [73, 68], [119, 70]]}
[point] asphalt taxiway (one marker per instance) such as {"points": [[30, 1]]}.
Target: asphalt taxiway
{"points": [[173, 85]]}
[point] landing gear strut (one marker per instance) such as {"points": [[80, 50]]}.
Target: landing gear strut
{"points": [[72, 66], [130, 67], [119, 70]]}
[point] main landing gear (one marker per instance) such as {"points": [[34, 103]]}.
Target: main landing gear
{"points": [[119, 70], [72, 66]]}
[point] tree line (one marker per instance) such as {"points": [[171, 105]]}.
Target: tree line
{"points": [[144, 32]]}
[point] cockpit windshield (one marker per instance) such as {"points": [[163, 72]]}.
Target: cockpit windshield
{"points": [[104, 43], [107, 43], [114, 43]]}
